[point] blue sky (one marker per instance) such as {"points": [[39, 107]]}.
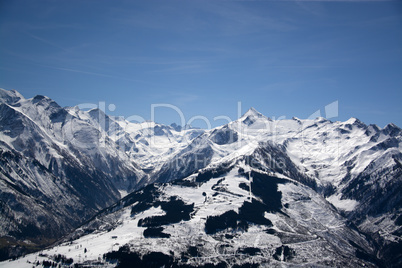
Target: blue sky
{"points": [[285, 58]]}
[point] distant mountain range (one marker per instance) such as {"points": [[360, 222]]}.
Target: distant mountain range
{"points": [[104, 191]]}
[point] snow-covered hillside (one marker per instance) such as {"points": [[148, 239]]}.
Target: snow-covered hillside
{"points": [[229, 217], [60, 166]]}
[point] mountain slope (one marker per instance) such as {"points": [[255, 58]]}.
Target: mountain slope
{"points": [[60, 166], [228, 216]]}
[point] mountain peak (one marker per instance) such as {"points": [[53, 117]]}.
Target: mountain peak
{"points": [[392, 125], [253, 112], [176, 127], [392, 130], [10, 96], [356, 122], [251, 116], [351, 120]]}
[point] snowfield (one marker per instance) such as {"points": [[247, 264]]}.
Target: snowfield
{"points": [[306, 224]]}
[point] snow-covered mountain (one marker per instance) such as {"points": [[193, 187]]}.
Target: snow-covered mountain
{"points": [[226, 217], [273, 192], [60, 166]]}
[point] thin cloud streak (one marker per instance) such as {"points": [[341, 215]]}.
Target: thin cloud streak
{"points": [[185, 69], [46, 41], [92, 73]]}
